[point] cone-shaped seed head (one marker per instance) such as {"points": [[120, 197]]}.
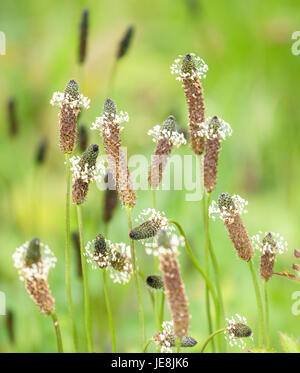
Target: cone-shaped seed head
{"points": [[72, 89], [169, 124], [125, 42], [33, 254], [109, 108], [100, 245], [90, 156], [155, 281], [186, 341], [225, 201], [240, 330], [145, 230], [188, 64], [267, 258]]}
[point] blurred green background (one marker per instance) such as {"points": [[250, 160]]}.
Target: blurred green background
{"points": [[253, 83]]}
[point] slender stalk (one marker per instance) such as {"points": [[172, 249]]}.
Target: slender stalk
{"points": [[178, 343], [259, 305], [210, 338], [146, 345], [87, 311], [68, 253], [109, 313], [162, 308], [153, 199], [142, 276], [207, 299], [137, 283], [57, 331], [200, 270], [156, 308], [267, 313]]}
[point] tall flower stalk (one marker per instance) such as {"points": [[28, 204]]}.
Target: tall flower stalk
{"points": [[229, 208], [269, 244], [70, 101], [109, 125], [33, 260], [85, 171]]}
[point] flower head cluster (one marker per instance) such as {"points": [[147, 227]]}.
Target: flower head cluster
{"points": [[84, 172], [34, 259], [103, 123], [227, 206], [159, 133], [215, 127], [166, 338], [61, 98], [155, 282], [269, 242], [237, 329], [114, 257], [155, 222], [189, 66]]}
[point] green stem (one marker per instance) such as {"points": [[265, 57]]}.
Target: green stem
{"points": [[267, 314], [153, 199], [178, 345], [57, 331], [259, 305], [142, 276], [210, 338], [146, 345], [207, 299], [109, 313], [200, 270], [87, 311], [68, 253], [162, 308], [137, 283]]}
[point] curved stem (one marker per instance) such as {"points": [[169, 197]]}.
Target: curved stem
{"points": [[87, 311], [57, 332], [137, 283], [146, 345], [142, 276], [109, 313], [68, 253], [178, 345], [207, 299], [267, 314], [200, 270], [210, 338], [259, 305]]}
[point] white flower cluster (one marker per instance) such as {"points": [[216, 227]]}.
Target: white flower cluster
{"points": [[88, 174], [163, 338], [60, 98], [207, 129], [175, 241], [103, 123], [104, 260], [37, 270], [257, 242], [175, 138], [231, 327], [226, 214], [200, 71]]}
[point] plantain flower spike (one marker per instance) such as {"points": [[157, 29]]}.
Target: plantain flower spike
{"points": [[269, 244], [236, 330], [155, 282], [83, 36], [85, 171], [214, 130], [165, 137], [70, 102], [149, 228], [229, 208], [174, 286], [109, 125], [190, 69], [34, 260]]}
